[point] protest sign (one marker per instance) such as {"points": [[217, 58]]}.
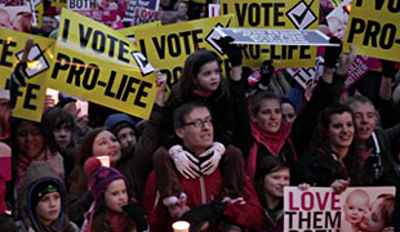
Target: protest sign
{"points": [[18, 18], [275, 14], [276, 36], [214, 10], [130, 31], [374, 29], [99, 64], [104, 16], [336, 3], [321, 209], [12, 2], [31, 97], [307, 77], [81, 4], [168, 47], [142, 11], [59, 3], [5, 161], [197, 1], [37, 9], [338, 19], [109, 13]]}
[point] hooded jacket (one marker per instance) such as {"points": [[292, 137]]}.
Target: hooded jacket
{"points": [[38, 172]]}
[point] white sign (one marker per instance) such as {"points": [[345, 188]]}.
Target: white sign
{"points": [[81, 4], [276, 37]]}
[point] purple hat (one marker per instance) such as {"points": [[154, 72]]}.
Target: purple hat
{"points": [[100, 177]]}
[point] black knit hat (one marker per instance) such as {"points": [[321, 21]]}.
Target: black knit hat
{"points": [[41, 189]]}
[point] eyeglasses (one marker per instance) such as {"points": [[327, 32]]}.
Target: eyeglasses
{"points": [[198, 123]]}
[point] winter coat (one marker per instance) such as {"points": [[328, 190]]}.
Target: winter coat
{"points": [[200, 191], [324, 95], [271, 225], [321, 169], [38, 172], [379, 159]]}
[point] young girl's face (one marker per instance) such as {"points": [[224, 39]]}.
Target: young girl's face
{"points": [[116, 195], [30, 139], [48, 208], [105, 144], [275, 182], [209, 76]]}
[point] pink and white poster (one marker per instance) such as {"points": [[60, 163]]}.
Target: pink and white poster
{"points": [[358, 209]]}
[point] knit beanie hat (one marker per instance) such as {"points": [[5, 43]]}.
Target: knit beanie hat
{"points": [[43, 188], [100, 177], [116, 122]]}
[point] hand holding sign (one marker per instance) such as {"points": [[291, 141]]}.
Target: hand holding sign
{"points": [[266, 69], [161, 82], [340, 185], [332, 53], [231, 50], [18, 76], [388, 69], [346, 60]]}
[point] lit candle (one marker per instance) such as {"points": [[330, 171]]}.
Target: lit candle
{"points": [[105, 160], [181, 226]]}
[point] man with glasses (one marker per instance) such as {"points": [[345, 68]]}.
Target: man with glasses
{"points": [[179, 190]]}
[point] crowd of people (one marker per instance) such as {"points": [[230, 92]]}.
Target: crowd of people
{"points": [[217, 152]]}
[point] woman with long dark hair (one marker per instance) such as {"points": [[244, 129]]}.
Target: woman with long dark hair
{"points": [[334, 158]]}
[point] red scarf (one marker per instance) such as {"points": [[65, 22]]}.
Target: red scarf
{"points": [[272, 142], [117, 221], [202, 93]]}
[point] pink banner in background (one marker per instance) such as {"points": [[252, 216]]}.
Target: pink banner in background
{"points": [[5, 167], [12, 2]]}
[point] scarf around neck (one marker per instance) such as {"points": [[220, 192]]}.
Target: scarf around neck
{"points": [[201, 93], [272, 142], [24, 162], [117, 221]]}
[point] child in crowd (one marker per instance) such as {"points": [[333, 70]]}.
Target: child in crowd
{"points": [[355, 209], [123, 127], [42, 200], [114, 208]]}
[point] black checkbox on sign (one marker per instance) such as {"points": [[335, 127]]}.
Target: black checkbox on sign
{"points": [[36, 62], [301, 15]]}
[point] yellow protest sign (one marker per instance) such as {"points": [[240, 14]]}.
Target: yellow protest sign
{"points": [[94, 62], [275, 14], [130, 31], [59, 3], [336, 3], [38, 9], [374, 29], [30, 100], [168, 47], [197, 1]]}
